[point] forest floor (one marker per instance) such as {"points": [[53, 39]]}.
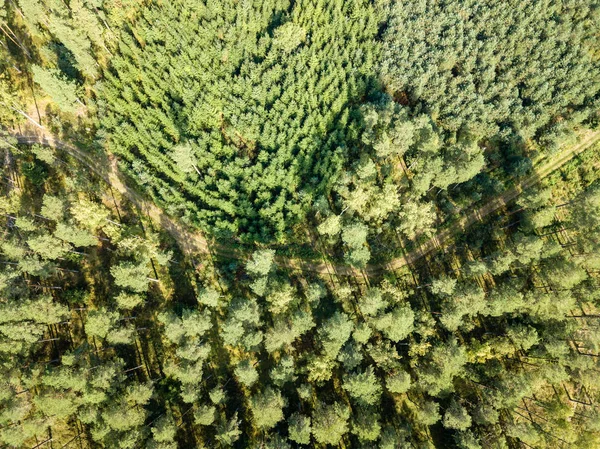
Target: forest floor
{"points": [[193, 242]]}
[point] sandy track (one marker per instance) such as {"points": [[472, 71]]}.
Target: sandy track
{"points": [[193, 241]]}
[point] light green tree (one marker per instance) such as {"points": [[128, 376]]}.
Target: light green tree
{"points": [[130, 275], [330, 422], [62, 92], [100, 322], [456, 417], [417, 219], [267, 408], [363, 386], [398, 382], [299, 428], [246, 373]]}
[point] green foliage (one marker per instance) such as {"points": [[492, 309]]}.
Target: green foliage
{"points": [[417, 219], [365, 424], [77, 237], [456, 417], [442, 364], [397, 324], [334, 333], [204, 415], [363, 386], [269, 110], [128, 301], [228, 431], [246, 373], [53, 208], [261, 262], [355, 237], [398, 382], [331, 226], [267, 408], [299, 428], [131, 276], [330, 422], [100, 322], [48, 247], [492, 66], [408, 135], [164, 429], [209, 297], [62, 92]]}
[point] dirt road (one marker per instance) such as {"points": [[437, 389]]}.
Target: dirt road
{"points": [[192, 241]]}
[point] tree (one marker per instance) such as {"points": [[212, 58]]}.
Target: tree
{"points": [[441, 365], [75, 236], [391, 438], [130, 275], [320, 368], [228, 431], [128, 301], [417, 219], [283, 371], [289, 36], [186, 329], [331, 226], [163, 432], [184, 158], [62, 92], [121, 336], [48, 246], [443, 286], [351, 356], [585, 212], [299, 428], [209, 297], [398, 382], [467, 440], [217, 395], [330, 422], [44, 154], [334, 332], [100, 322], [267, 408], [397, 324], [204, 415], [468, 299], [246, 373], [365, 424], [428, 413], [504, 299], [53, 208], [355, 237], [259, 267], [372, 302], [363, 386], [281, 297], [456, 417]]}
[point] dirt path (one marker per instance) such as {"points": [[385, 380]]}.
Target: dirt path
{"points": [[107, 170], [541, 172], [192, 241]]}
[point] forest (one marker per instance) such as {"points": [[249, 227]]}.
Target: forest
{"points": [[290, 224]]}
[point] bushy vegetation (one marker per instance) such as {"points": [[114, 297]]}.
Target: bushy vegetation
{"points": [[496, 69], [235, 115], [364, 224]]}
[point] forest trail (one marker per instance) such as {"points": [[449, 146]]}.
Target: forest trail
{"points": [[108, 171], [194, 242], [540, 172]]}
